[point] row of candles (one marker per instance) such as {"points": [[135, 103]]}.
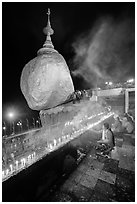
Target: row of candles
{"points": [[55, 142], [18, 165], [88, 118], [51, 146]]}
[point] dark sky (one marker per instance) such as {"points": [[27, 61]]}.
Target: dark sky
{"points": [[22, 36]]}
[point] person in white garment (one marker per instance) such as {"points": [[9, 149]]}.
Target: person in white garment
{"points": [[107, 141]]}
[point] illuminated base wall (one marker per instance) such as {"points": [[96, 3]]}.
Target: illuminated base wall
{"points": [[60, 125], [66, 119], [55, 122]]}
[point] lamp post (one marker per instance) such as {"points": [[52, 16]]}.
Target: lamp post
{"points": [[37, 123], [13, 128], [4, 128], [96, 89], [27, 123], [33, 122], [20, 125]]}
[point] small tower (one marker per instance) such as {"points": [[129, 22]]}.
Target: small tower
{"points": [[48, 31]]}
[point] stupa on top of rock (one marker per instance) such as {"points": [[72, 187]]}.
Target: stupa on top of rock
{"points": [[45, 80]]}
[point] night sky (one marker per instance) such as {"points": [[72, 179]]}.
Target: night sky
{"points": [[78, 27]]}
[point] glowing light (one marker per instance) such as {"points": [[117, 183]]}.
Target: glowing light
{"points": [[7, 171], [16, 164], [19, 123], [50, 146], [4, 128], [23, 161], [29, 157], [12, 155], [11, 167], [110, 83], [11, 115], [63, 137], [102, 119], [68, 136], [130, 80], [55, 142]]}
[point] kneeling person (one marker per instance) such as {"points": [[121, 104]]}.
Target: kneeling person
{"points": [[107, 142]]}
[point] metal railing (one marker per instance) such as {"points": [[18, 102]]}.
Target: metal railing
{"points": [[19, 127]]}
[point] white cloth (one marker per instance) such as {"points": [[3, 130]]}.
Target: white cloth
{"points": [[104, 134]]}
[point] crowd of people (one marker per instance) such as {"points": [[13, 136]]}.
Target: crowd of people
{"points": [[79, 95], [124, 123]]}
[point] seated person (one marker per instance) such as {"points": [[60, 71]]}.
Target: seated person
{"points": [[117, 126], [129, 127], [107, 142]]}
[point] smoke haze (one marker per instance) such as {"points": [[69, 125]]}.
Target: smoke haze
{"points": [[106, 52]]}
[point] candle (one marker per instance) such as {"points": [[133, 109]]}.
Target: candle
{"points": [[33, 155], [29, 157], [23, 161], [50, 146], [7, 171], [3, 173], [17, 164], [55, 143], [11, 167]]}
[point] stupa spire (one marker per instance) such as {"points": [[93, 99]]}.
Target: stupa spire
{"points": [[48, 31]]}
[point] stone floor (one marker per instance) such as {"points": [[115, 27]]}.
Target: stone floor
{"points": [[100, 179]]}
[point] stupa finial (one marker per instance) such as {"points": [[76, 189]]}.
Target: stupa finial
{"points": [[48, 31], [48, 13]]}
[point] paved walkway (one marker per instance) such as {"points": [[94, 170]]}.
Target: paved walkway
{"points": [[99, 179]]}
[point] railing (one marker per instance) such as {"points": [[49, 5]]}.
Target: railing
{"points": [[20, 126]]}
